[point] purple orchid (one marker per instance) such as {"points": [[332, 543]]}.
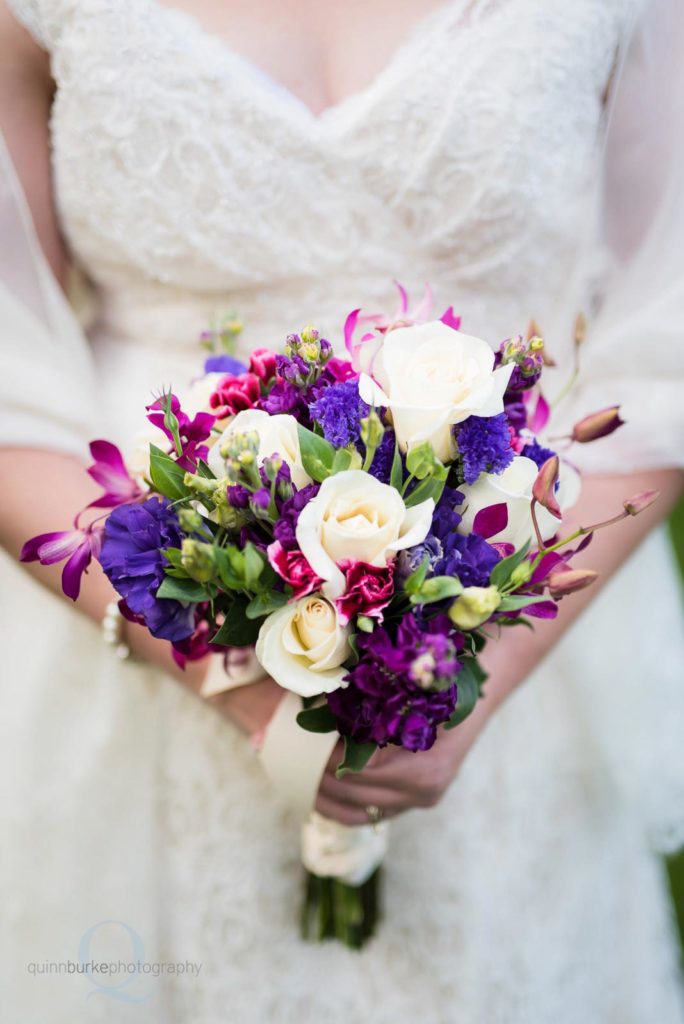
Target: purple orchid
{"points": [[79, 546], [109, 471], [191, 432]]}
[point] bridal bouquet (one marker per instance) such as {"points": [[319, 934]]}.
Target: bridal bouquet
{"points": [[369, 523]]}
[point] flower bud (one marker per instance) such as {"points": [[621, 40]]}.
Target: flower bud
{"points": [[474, 606], [203, 485], [543, 489], [197, 559], [598, 424], [639, 502], [567, 581], [521, 574], [372, 430], [190, 520]]}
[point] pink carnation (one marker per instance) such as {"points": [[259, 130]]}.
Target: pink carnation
{"points": [[293, 567], [368, 590], [235, 394], [262, 363]]}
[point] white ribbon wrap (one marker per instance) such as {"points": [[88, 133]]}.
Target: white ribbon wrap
{"points": [[294, 760]]}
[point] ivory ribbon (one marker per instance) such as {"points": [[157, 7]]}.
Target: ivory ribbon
{"points": [[294, 760]]}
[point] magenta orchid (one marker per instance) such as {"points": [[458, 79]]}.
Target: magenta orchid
{"points": [[110, 472], [185, 433], [79, 546]]}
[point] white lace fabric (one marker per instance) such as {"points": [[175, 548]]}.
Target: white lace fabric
{"points": [[186, 182]]}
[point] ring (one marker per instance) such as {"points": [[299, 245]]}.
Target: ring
{"points": [[374, 814]]}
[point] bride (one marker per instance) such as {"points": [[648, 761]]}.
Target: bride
{"points": [[286, 160]]}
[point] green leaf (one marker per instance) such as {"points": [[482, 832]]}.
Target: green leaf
{"points": [[254, 563], [501, 572], [515, 601], [356, 757], [204, 470], [422, 462], [237, 630], [417, 578], [397, 473], [342, 461], [166, 475], [183, 590], [230, 563], [317, 455], [468, 681], [431, 487], [438, 588], [264, 604], [318, 719]]}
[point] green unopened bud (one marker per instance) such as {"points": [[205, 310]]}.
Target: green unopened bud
{"points": [[521, 574], [190, 520], [272, 466], [474, 606], [203, 485], [198, 560], [421, 460], [246, 458], [372, 430]]}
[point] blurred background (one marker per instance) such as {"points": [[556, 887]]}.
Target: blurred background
{"points": [[676, 864]]}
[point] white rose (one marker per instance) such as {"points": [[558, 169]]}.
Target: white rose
{"points": [[196, 398], [276, 434], [430, 377], [514, 487], [357, 518], [302, 646]]}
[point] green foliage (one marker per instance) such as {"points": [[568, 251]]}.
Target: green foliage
{"points": [[501, 572], [469, 681], [317, 719], [437, 588], [166, 475], [356, 757], [185, 590], [237, 630], [318, 455]]}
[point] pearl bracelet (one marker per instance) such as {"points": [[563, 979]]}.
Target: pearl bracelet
{"points": [[113, 631]]}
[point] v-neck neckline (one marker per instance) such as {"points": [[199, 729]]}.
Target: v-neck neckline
{"points": [[422, 28]]}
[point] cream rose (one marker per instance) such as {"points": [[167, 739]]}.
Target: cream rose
{"points": [[277, 434], [302, 646], [355, 517], [514, 487], [430, 377]]}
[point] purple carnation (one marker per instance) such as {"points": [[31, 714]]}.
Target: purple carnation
{"points": [[401, 690], [484, 445], [131, 557]]}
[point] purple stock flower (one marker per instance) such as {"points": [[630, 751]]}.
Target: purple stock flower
{"points": [[132, 557], [470, 558], [484, 445], [110, 472], [78, 546], [284, 529], [401, 690]]}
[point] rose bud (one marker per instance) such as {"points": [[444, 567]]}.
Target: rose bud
{"points": [[639, 502], [570, 580], [598, 424], [543, 488]]}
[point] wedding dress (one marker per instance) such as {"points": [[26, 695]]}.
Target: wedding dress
{"points": [[188, 182]]}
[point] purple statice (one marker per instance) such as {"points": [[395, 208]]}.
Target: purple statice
{"points": [[224, 364], [131, 557], [470, 558], [338, 411], [533, 450], [484, 445], [284, 529], [402, 688]]}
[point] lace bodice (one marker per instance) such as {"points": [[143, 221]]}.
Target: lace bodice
{"points": [[185, 179]]}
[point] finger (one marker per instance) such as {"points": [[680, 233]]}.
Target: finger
{"points": [[343, 813], [387, 800]]}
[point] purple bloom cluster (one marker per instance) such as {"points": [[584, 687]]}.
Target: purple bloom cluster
{"points": [[401, 690], [469, 557], [284, 529], [338, 411], [484, 445], [224, 364], [533, 450], [132, 559]]}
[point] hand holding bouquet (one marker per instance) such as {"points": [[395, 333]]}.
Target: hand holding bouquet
{"points": [[368, 523]]}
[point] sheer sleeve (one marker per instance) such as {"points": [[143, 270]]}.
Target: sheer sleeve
{"points": [[634, 352], [47, 379]]}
